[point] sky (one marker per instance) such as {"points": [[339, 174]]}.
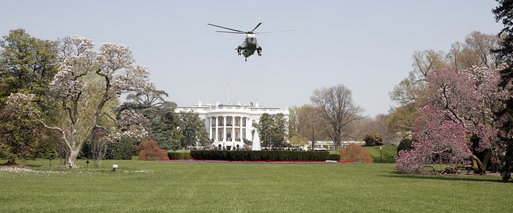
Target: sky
{"points": [[366, 46]]}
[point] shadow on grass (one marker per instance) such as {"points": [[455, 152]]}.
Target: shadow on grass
{"points": [[17, 165], [474, 178]]}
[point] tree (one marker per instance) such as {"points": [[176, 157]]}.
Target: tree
{"points": [[29, 64], [504, 13], [459, 105], [402, 118], [164, 125], [439, 141], [272, 130], [164, 121], [381, 126], [19, 130], [298, 140], [406, 92], [114, 66], [293, 121], [310, 124], [192, 129], [474, 51], [148, 96], [373, 139], [337, 108]]}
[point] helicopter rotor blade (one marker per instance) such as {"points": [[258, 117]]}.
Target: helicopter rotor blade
{"points": [[279, 31], [226, 28], [255, 27], [231, 32]]}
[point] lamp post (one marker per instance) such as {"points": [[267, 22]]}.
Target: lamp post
{"points": [[380, 154]]}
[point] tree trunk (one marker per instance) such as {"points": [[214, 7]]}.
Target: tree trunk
{"points": [[72, 158], [487, 157], [478, 165], [11, 161]]}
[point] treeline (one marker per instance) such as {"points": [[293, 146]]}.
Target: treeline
{"points": [[62, 99]]}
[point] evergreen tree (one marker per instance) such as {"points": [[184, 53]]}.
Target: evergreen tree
{"points": [[504, 13], [28, 66], [272, 130]]}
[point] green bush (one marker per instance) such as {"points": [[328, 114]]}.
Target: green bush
{"points": [[373, 139], [259, 155], [333, 157], [121, 150], [405, 144], [179, 155]]}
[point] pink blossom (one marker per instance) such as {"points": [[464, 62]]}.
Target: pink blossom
{"points": [[458, 105]]}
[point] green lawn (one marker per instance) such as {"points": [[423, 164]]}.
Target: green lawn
{"points": [[240, 187], [388, 153]]}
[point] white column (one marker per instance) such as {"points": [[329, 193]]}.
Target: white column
{"points": [[240, 132], [210, 127], [224, 128], [233, 128], [217, 129], [248, 133]]}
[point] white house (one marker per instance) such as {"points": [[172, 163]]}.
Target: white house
{"points": [[228, 125]]}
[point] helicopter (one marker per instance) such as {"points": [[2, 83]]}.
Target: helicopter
{"points": [[249, 46]]}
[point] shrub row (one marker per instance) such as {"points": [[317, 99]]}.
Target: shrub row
{"points": [[265, 155], [179, 155], [333, 157]]}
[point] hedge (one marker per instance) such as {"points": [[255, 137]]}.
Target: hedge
{"points": [[265, 155], [179, 155], [334, 157]]}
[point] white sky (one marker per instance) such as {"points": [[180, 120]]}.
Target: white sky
{"points": [[364, 45]]}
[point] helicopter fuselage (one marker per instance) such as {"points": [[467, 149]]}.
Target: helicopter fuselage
{"points": [[249, 46]]}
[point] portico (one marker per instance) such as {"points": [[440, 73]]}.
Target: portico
{"points": [[228, 128]]}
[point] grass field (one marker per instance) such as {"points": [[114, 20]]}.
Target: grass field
{"points": [[239, 187], [388, 153]]}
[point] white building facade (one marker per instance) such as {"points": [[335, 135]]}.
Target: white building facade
{"points": [[229, 125]]}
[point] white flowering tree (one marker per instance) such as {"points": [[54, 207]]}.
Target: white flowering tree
{"points": [[113, 64]]}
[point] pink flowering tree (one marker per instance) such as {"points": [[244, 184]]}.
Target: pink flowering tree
{"points": [[458, 105], [19, 129], [112, 67]]}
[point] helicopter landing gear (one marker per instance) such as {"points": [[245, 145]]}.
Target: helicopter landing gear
{"points": [[245, 59], [259, 51], [238, 50]]}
